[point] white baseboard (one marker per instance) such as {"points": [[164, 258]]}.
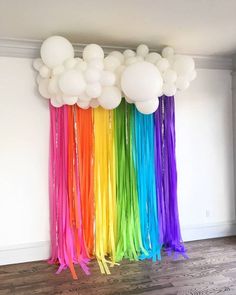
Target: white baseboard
{"points": [[24, 253], [40, 250], [208, 231]]}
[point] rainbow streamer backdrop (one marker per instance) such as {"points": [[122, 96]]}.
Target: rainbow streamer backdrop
{"points": [[113, 185]]}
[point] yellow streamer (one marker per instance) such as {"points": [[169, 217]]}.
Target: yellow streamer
{"points": [[104, 188]]}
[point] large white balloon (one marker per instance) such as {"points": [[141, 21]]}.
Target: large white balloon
{"points": [[169, 89], [142, 50], [55, 50], [111, 63], [43, 88], [147, 107], [110, 97], [72, 83], [153, 57], [107, 78], [92, 51], [94, 90], [118, 55], [141, 81], [183, 65]]}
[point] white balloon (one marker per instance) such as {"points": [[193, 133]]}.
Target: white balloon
{"points": [[94, 103], [107, 78], [53, 86], [118, 55], [70, 63], [69, 100], [128, 53], [111, 63], [72, 82], [110, 97], [92, 75], [81, 65], [131, 60], [44, 72], [183, 65], [118, 74], [55, 50], [182, 83], [147, 107], [192, 75], [43, 88], [142, 50], [83, 104], [169, 76], [58, 70], [94, 90], [38, 78], [92, 51], [139, 58], [96, 63], [163, 64], [141, 81], [56, 101], [153, 57], [37, 64], [168, 52], [169, 89], [84, 97]]}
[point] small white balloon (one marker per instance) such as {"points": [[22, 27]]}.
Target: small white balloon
{"points": [[58, 70], [183, 65], [69, 100], [84, 97], [43, 88], [94, 90], [131, 60], [142, 50], [107, 78], [72, 82], [169, 76], [70, 63], [82, 66], [118, 55], [153, 57], [147, 107], [38, 78], [192, 75], [83, 104], [53, 86], [110, 97], [92, 75], [128, 53], [56, 101], [163, 64], [44, 72], [37, 64], [169, 89], [55, 50], [96, 63], [182, 83], [94, 103], [111, 63], [118, 74], [141, 81], [92, 51], [168, 52]]}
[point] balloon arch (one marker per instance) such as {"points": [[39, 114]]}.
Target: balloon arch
{"points": [[113, 178]]}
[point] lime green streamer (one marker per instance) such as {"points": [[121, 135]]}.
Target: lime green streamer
{"points": [[129, 241]]}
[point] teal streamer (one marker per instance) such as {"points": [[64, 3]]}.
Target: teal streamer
{"points": [[144, 159]]}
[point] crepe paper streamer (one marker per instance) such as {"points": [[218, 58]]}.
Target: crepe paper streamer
{"points": [[167, 177], [145, 166], [84, 122], [104, 189], [129, 241]]}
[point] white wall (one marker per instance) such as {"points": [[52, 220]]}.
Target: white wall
{"points": [[204, 153]]}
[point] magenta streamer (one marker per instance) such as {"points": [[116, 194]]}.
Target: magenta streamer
{"points": [[166, 177]]}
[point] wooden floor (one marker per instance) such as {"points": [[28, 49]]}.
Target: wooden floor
{"points": [[211, 269]]}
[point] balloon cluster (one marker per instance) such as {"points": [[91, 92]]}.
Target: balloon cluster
{"points": [[141, 77]]}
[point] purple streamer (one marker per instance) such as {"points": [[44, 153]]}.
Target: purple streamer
{"points": [[166, 177]]}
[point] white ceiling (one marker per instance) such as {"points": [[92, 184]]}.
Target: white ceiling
{"points": [[205, 27]]}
